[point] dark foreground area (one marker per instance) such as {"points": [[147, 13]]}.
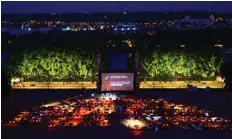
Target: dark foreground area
{"points": [[218, 101]]}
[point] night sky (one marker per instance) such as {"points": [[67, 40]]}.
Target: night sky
{"points": [[80, 7]]}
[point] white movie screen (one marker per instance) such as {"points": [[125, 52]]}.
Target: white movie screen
{"points": [[117, 82]]}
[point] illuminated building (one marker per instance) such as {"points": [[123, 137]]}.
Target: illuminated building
{"points": [[190, 23], [219, 45], [125, 28]]}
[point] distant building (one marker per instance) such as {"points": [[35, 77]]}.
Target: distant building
{"points": [[189, 23], [125, 28], [228, 23]]}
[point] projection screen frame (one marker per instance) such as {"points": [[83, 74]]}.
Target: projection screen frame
{"points": [[100, 81]]}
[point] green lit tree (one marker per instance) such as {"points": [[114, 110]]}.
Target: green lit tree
{"points": [[57, 65], [170, 65]]}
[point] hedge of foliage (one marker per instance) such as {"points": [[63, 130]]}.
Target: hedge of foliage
{"points": [[79, 65], [175, 65], [56, 65]]}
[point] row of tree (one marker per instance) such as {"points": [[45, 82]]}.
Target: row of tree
{"points": [[179, 65], [193, 40], [78, 65], [56, 65]]}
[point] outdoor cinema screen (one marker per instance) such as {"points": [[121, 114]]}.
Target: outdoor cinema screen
{"points": [[117, 82]]}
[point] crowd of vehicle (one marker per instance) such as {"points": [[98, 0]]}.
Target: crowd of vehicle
{"points": [[134, 113]]}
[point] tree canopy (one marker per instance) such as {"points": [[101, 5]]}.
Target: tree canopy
{"points": [[56, 65], [168, 65]]}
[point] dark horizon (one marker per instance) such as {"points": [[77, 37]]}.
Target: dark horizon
{"points": [[29, 7]]}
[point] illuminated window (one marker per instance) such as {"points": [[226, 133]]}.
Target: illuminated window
{"points": [[218, 45], [101, 27], [182, 45]]}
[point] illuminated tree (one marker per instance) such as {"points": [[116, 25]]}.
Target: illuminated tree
{"points": [[169, 65], [57, 65]]}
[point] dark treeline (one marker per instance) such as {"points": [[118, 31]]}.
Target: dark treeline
{"points": [[111, 17], [5, 84], [226, 70], [194, 41]]}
